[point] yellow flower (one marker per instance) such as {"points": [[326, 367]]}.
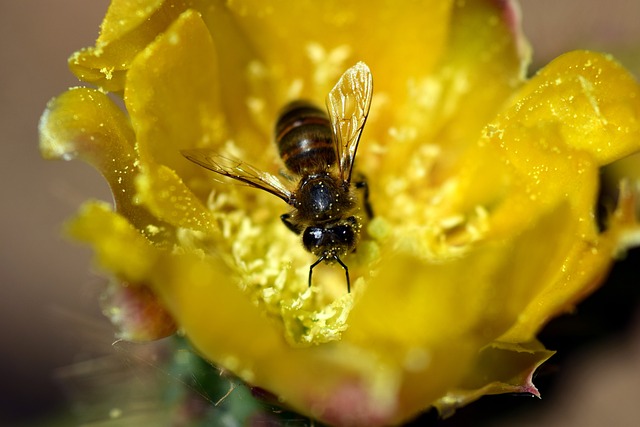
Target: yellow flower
{"points": [[483, 186]]}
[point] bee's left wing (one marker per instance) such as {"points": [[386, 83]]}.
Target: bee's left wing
{"points": [[348, 106], [240, 171]]}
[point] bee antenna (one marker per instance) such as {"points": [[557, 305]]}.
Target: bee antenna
{"points": [[346, 272], [313, 265], [344, 266]]}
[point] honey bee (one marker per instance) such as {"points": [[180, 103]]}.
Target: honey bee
{"points": [[318, 150]]}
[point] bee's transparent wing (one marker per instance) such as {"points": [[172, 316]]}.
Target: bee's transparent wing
{"points": [[240, 171], [348, 105]]}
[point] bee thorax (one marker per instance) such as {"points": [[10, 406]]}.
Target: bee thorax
{"points": [[321, 198]]}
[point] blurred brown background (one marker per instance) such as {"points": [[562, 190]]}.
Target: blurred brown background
{"points": [[49, 313]]}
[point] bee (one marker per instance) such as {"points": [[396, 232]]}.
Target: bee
{"points": [[318, 150]]}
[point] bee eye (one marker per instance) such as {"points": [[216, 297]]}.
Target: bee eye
{"points": [[312, 237]]}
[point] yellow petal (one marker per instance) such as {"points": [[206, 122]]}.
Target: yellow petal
{"points": [[586, 100], [248, 101], [203, 297], [307, 45], [119, 247], [560, 128], [451, 307], [125, 16], [173, 97], [580, 273], [424, 139], [84, 123], [485, 61], [550, 142], [162, 192], [547, 146], [127, 29], [312, 380]]}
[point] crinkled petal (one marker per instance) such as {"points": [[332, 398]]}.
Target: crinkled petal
{"points": [[536, 153], [586, 100], [500, 368], [547, 155], [547, 146], [530, 157]]}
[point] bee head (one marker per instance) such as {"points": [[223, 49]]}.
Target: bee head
{"points": [[336, 239]]}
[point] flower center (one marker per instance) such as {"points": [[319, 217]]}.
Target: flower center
{"points": [[272, 266]]}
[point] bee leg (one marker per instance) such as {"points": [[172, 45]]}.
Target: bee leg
{"points": [[362, 184], [313, 265], [346, 272], [286, 219]]}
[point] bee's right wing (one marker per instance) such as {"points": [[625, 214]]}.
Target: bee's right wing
{"points": [[240, 171], [348, 105]]}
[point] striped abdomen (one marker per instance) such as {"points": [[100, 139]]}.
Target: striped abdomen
{"points": [[303, 135]]}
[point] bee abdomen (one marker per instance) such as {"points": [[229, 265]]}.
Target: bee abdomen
{"points": [[303, 135]]}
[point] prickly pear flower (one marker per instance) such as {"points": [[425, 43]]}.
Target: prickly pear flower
{"points": [[483, 185]]}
